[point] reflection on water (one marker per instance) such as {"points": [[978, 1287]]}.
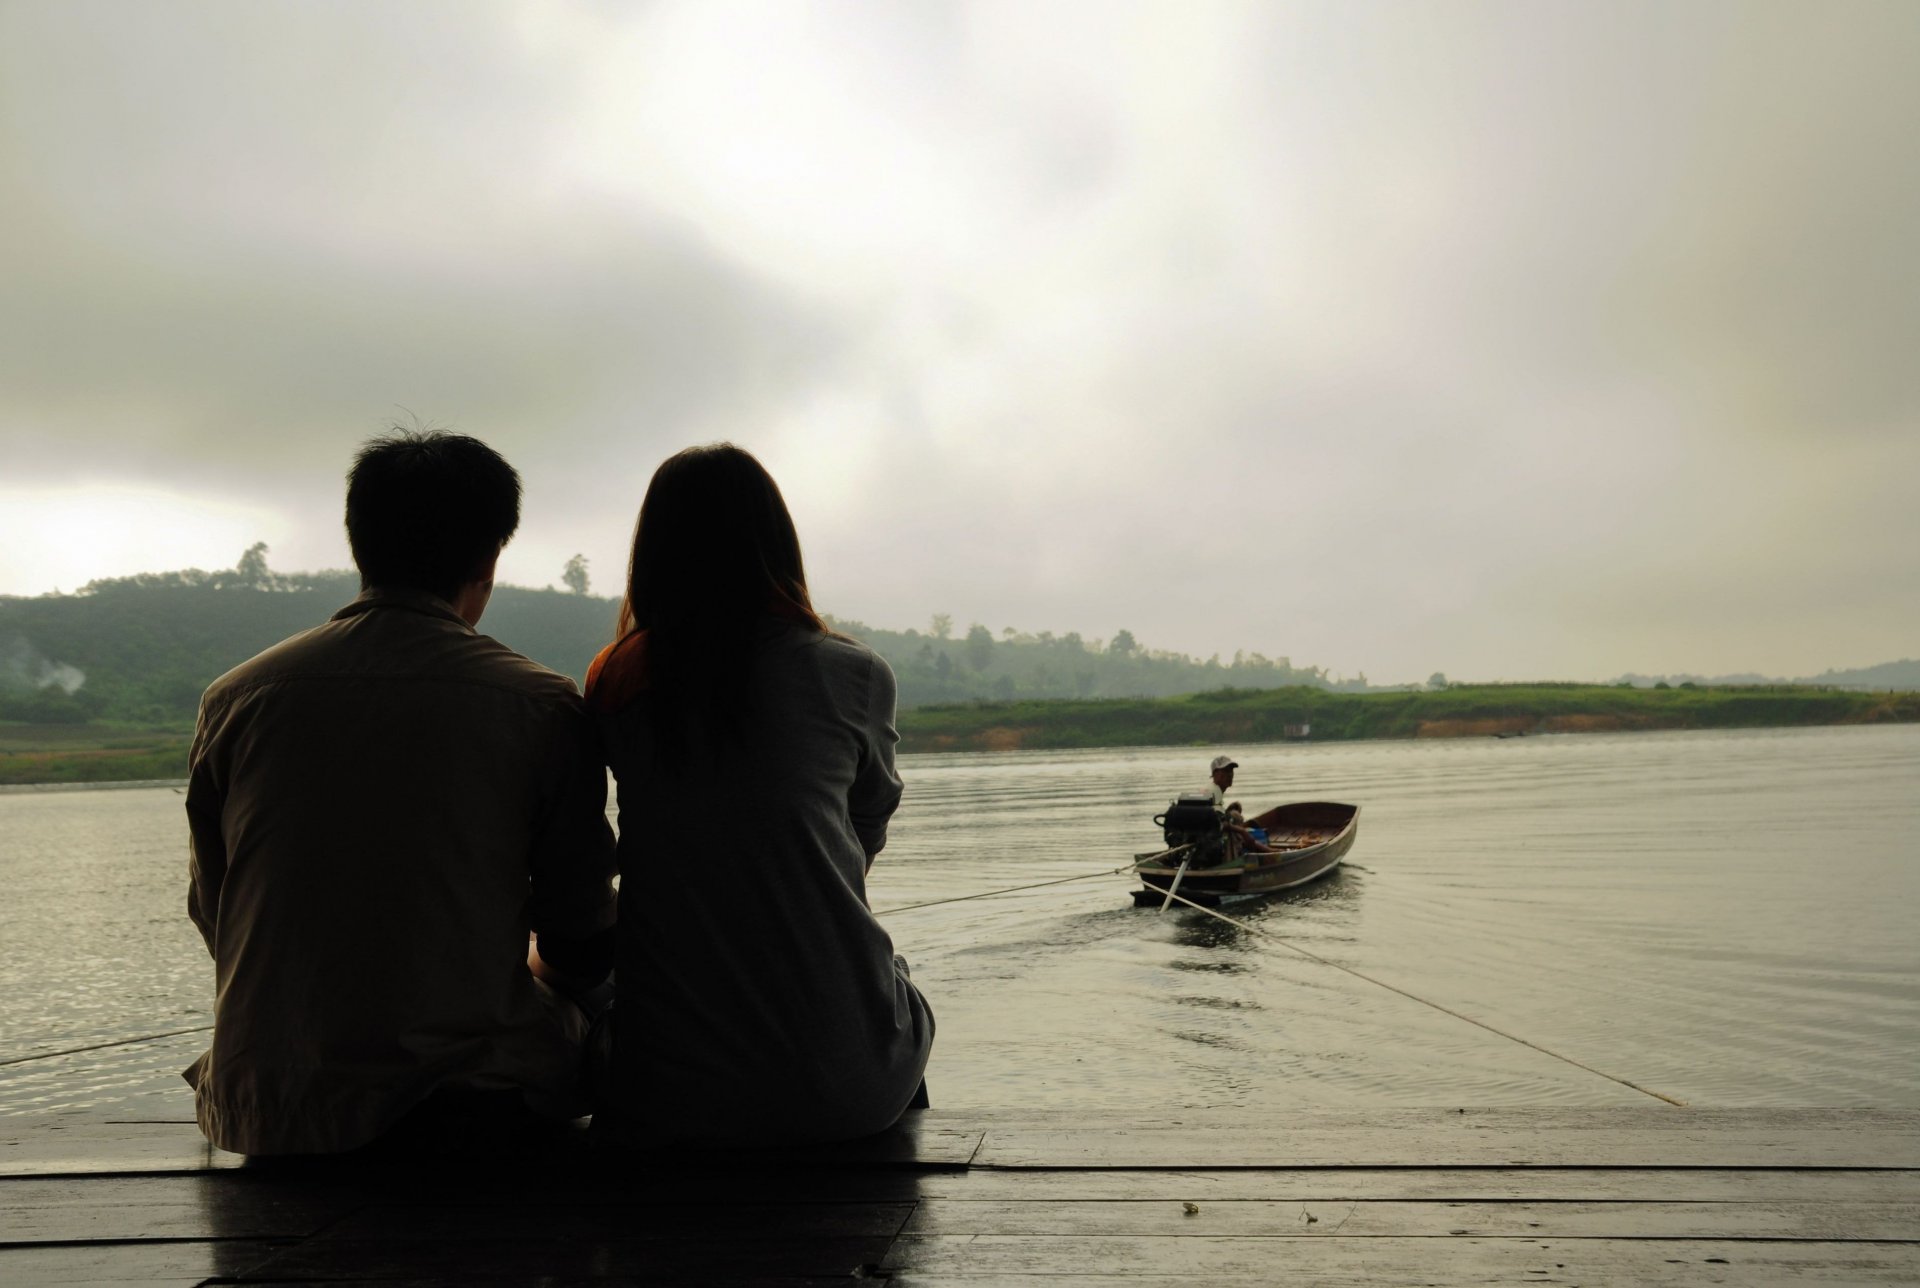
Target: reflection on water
{"points": [[1720, 916]]}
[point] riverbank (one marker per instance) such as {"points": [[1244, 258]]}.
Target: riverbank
{"points": [[46, 754], [1460, 711], [36, 755]]}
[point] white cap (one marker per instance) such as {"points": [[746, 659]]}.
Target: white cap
{"points": [[1224, 762]]}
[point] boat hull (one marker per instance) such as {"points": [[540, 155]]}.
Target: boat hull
{"points": [[1310, 839]]}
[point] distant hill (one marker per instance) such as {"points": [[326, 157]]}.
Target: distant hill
{"points": [[1904, 674], [141, 649], [937, 667]]}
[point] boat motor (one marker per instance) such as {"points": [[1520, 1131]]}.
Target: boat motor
{"points": [[1193, 820]]}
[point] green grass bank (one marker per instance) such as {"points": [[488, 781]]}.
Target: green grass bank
{"points": [[41, 754], [1460, 711], [36, 754]]}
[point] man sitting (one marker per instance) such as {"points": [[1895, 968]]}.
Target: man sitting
{"points": [[1222, 779], [381, 809]]}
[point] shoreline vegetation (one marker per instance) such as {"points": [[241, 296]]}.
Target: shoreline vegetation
{"points": [[137, 652], [102, 685], [38, 755], [41, 755], [1243, 717]]}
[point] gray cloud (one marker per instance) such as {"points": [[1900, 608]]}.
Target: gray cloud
{"points": [[1496, 339]]}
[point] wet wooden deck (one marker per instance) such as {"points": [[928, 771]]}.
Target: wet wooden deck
{"points": [[1435, 1197]]}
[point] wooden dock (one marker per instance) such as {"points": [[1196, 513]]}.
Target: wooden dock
{"points": [[1429, 1197]]}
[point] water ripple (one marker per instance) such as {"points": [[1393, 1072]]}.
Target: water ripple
{"points": [[1721, 916]]}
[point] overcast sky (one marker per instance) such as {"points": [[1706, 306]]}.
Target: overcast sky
{"points": [[1512, 340]]}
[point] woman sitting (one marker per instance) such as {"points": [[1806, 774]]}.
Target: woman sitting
{"points": [[759, 1001]]}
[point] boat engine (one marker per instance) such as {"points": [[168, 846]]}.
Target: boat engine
{"points": [[1193, 820]]}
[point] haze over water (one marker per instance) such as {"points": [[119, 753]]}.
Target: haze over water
{"points": [[1723, 917]]}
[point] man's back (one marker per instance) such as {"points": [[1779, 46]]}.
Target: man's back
{"points": [[382, 807]]}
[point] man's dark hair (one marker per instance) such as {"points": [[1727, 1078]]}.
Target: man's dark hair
{"points": [[427, 509]]}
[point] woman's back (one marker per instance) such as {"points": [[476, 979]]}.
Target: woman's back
{"points": [[758, 997]]}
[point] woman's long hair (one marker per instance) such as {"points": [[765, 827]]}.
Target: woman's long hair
{"points": [[714, 556]]}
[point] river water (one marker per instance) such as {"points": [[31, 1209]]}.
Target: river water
{"points": [[1724, 917]]}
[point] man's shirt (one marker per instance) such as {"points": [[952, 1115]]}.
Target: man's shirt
{"points": [[1213, 789], [381, 809]]}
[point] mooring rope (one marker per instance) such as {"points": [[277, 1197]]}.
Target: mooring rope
{"points": [[988, 894], [1037, 885], [1415, 997], [101, 1046], [1312, 956]]}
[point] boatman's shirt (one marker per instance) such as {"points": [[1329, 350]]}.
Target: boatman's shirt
{"points": [[1213, 789], [381, 809]]}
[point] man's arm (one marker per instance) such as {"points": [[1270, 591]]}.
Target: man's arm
{"points": [[573, 865], [207, 844]]}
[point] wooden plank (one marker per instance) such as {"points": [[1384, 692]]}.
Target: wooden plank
{"points": [[906, 1144], [243, 1205], [1595, 1118], [1827, 1222], [913, 1142], [1679, 1140], [81, 1145], [1188, 1150], [1783, 1279], [1544, 1184], [1612, 1137], [60, 1145], [1390, 1262], [143, 1264], [797, 1218], [591, 1281], [738, 1185], [224, 1205], [849, 1185], [700, 1260]]}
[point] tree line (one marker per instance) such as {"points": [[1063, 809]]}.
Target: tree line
{"points": [[146, 646], [938, 666], [141, 649]]}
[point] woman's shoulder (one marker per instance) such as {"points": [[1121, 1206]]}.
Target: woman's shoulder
{"points": [[847, 652], [618, 674], [848, 666]]}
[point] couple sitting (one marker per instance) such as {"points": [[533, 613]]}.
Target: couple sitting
{"points": [[386, 807]]}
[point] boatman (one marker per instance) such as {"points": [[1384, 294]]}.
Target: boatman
{"points": [[1223, 767]]}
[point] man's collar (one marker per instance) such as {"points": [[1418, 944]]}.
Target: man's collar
{"points": [[415, 601]]}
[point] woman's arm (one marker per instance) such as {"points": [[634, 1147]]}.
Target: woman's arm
{"points": [[876, 785]]}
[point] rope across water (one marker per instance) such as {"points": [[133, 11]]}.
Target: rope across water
{"points": [[989, 894], [101, 1046], [1038, 885], [1313, 956]]}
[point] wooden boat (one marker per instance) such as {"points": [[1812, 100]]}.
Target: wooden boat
{"points": [[1306, 841]]}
